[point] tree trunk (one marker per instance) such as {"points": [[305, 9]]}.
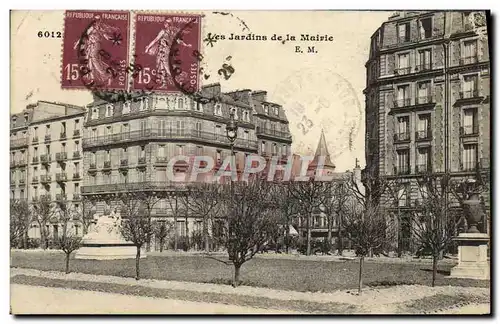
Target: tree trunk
{"points": [[186, 216], [236, 279], [161, 244], [330, 229], [176, 235], [308, 238], [287, 235], [340, 246], [360, 277], [137, 259], [67, 262], [434, 268]]}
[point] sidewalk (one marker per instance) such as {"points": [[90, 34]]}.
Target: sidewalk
{"points": [[371, 297]]}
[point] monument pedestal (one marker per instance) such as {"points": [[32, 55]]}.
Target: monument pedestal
{"points": [[472, 257], [105, 242]]}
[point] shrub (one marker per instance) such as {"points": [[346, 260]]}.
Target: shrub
{"points": [[34, 243], [197, 241]]}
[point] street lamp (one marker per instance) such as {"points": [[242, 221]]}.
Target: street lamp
{"points": [[232, 134]]}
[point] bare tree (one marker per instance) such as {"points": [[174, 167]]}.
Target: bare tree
{"points": [[149, 199], [287, 208], [334, 206], [43, 210], [309, 196], [136, 226], [433, 226], [248, 208], [173, 202], [67, 241], [203, 201], [85, 214], [161, 230], [20, 220]]}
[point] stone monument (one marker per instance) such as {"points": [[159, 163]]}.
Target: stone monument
{"points": [[473, 245], [105, 242]]}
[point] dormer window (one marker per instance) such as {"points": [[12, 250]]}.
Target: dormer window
{"points": [[246, 116], [218, 109], [25, 118], [14, 118], [276, 110], [235, 112], [126, 107], [95, 113], [266, 109], [109, 110]]}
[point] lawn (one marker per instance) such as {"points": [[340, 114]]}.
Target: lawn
{"points": [[298, 275]]}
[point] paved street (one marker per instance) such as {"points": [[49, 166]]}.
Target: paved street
{"points": [[43, 300]]}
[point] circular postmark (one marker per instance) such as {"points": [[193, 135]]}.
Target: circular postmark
{"points": [[320, 100]]}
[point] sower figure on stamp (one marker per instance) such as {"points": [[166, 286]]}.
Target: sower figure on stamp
{"points": [[160, 47], [98, 69]]}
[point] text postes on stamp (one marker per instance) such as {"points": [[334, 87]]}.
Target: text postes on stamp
{"points": [[167, 50], [95, 50]]}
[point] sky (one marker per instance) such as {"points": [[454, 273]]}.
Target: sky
{"points": [[320, 91]]}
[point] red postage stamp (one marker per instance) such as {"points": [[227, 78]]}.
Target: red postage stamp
{"points": [[95, 50], [167, 52]]}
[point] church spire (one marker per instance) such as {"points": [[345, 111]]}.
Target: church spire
{"points": [[322, 150]]}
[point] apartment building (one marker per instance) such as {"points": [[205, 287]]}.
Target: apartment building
{"points": [[47, 154], [127, 145], [428, 100]]}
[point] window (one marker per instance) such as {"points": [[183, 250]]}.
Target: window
{"points": [[95, 113], [469, 157], [143, 151], [403, 195], [403, 128], [77, 188], [181, 103], [423, 159], [266, 109], [63, 127], [180, 149], [275, 149], [218, 109], [403, 96], [425, 28], [263, 147], [125, 130], [284, 150], [143, 127], [218, 131], [469, 121], [276, 110], [77, 167], [92, 158], [163, 127], [235, 113], [218, 156], [107, 155], [35, 132], [47, 130], [142, 176], [403, 63], [63, 147], [469, 52], [126, 108], [245, 135], [144, 104], [199, 151], [47, 149], [180, 127], [108, 131], [161, 151], [423, 126], [424, 60], [424, 92], [35, 152], [181, 228], [404, 32], [198, 129], [403, 161], [93, 133], [469, 86]]}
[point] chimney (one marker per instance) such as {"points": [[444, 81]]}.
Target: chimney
{"points": [[241, 95], [259, 95]]}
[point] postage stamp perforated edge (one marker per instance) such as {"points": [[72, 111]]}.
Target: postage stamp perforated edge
{"points": [[61, 61]]}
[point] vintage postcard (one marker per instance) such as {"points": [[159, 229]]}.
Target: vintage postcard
{"points": [[250, 162]]}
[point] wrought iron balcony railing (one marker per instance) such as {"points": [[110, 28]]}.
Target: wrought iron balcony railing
{"points": [[35, 159], [76, 133], [34, 179], [92, 166], [45, 178], [47, 138], [19, 142], [61, 177], [423, 67], [63, 135], [35, 140], [45, 158], [76, 155], [423, 134], [273, 132], [132, 186], [76, 176], [61, 197], [425, 100], [401, 170], [423, 168], [402, 71], [124, 163], [107, 165], [402, 103], [141, 160], [469, 94], [468, 60], [469, 130], [61, 156], [469, 165], [154, 134], [77, 197], [401, 137]]}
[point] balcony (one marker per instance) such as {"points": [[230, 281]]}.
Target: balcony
{"points": [[401, 170], [123, 163], [161, 160], [469, 130], [21, 162], [12, 182], [61, 156], [13, 164], [403, 39], [402, 137], [76, 133], [34, 180], [45, 158], [163, 134], [141, 161], [77, 197], [273, 132], [18, 142], [423, 135], [63, 135], [46, 197], [47, 138], [34, 140], [469, 60], [469, 166], [92, 167], [107, 165], [423, 67], [76, 176], [60, 197], [469, 94], [76, 155], [400, 103], [61, 177], [422, 100], [132, 186], [34, 199], [423, 168], [22, 181], [402, 71], [45, 179], [35, 160]]}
